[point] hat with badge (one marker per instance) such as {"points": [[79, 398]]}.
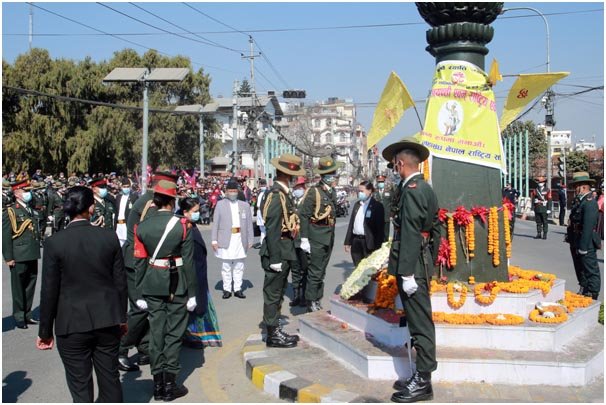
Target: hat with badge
{"points": [[289, 164], [232, 184], [300, 182], [380, 177], [98, 182], [581, 178], [164, 174], [326, 165], [390, 152], [540, 179], [166, 187], [21, 185]]}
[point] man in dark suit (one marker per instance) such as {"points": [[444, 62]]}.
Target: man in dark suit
{"points": [[365, 233], [84, 296]]}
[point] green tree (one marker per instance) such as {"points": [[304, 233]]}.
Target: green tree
{"points": [[245, 89], [577, 161]]}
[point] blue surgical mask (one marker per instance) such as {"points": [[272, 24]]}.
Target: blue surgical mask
{"points": [[298, 193], [329, 179], [195, 216], [232, 196], [362, 196], [126, 190], [263, 189], [27, 196], [102, 192], [381, 186]]}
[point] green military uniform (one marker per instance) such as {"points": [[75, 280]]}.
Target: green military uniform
{"points": [[385, 197], [20, 242], [165, 288], [54, 209], [415, 226], [104, 213], [40, 204], [281, 224], [541, 199], [584, 240], [318, 217], [300, 266]]}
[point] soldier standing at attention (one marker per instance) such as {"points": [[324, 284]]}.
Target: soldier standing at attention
{"points": [[138, 325], [277, 251], [104, 209], [299, 270], [541, 198], [410, 260], [317, 213], [582, 236], [384, 196], [55, 207], [21, 251], [166, 286]]}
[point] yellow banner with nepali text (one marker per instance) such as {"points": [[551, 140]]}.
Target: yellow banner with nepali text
{"points": [[461, 120]]}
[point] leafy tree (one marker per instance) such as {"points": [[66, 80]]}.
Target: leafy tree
{"points": [[577, 161], [245, 89]]}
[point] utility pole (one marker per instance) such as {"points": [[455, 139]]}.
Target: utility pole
{"points": [[31, 25], [235, 127], [253, 99]]}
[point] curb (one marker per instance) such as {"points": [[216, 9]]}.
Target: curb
{"points": [[272, 379]]}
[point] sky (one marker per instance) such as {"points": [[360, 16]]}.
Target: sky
{"points": [[305, 46]]}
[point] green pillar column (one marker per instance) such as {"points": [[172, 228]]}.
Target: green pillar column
{"points": [[526, 190], [266, 157], [515, 162], [460, 32]]}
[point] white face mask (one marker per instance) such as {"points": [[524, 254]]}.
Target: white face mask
{"points": [[298, 193]]}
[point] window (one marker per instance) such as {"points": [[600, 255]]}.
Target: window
{"points": [[316, 123], [328, 122], [344, 137]]}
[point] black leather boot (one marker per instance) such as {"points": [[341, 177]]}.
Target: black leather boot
{"points": [[171, 389], [277, 339], [313, 306], [538, 235], [296, 300], [125, 364], [544, 235], [159, 387], [418, 389], [290, 338]]}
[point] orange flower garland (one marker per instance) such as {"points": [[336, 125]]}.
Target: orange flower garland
{"points": [[507, 231], [470, 236], [477, 319], [387, 290], [426, 169], [503, 319], [494, 217], [450, 291], [436, 287], [490, 242], [452, 242], [536, 316], [493, 288], [573, 301]]}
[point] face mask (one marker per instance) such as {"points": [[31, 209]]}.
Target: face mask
{"points": [[232, 196], [362, 196], [195, 216], [27, 197], [381, 186], [126, 190], [329, 179], [541, 184], [298, 193], [102, 192], [194, 195], [263, 189]]}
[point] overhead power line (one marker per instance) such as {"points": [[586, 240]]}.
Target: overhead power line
{"points": [[123, 39]]}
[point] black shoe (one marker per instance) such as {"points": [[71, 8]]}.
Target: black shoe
{"points": [[538, 236], [226, 294], [418, 389], [239, 294], [171, 389], [545, 236], [581, 291], [277, 339], [256, 246], [124, 364], [144, 359], [33, 321], [400, 385], [313, 306], [21, 325], [290, 338], [297, 297], [159, 387]]}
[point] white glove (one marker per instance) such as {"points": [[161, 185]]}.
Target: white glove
{"points": [[141, 304], [409, 285], [582, 252], [549, 211], [51, 218], [305, 246], [191, 304], [276, 267]]}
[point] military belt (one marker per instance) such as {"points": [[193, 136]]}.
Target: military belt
{"points": [[165, 263], [121, 221], [235, 230], [286, 235], [322, 222]]}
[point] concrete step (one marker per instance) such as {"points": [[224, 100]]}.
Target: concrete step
{"points": [[533, 335], [577, 364]]}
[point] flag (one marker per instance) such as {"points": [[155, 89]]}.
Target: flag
{"points": [[525, 89], [394, 101], [494, 74]]}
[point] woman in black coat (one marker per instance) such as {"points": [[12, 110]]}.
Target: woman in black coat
{"points": [[203, 327]]}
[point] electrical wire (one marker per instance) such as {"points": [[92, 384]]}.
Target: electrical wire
{"points": [[123, 39]]}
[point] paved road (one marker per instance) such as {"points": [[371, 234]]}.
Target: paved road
{"points": [[216, 374]]}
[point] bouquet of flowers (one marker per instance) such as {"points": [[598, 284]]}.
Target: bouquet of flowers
{"points": [[367, 268]]}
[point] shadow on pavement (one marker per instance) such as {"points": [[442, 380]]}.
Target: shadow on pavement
{"points": [[134, 389], [8, 323], [191, 359], [14, 385], [246, 284]]}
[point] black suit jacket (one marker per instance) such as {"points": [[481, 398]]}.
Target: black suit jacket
{"points": [[131, 199], [83, 281], [374, 226]]}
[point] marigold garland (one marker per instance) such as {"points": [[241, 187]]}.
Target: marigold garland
{"points": [[573, 301], [471, 237], [452, 242], [450, 291], [536, 316], [387, 290], [426, 169], [503, 319], [493, 289], [493, 236], [434, 286], [507, 231], [477, 319]]}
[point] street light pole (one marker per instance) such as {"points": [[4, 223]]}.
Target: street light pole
{"points": [[201, 145], [145, 138]]}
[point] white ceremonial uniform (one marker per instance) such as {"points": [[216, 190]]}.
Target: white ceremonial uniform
{"points": [[233, 257], [121, 228]]}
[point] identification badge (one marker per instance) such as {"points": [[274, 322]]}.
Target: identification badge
{"points": [[243, 216], [387, 194], [367, 213]]}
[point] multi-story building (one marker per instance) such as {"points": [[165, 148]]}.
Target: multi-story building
{"points": [[561, 142], [583, 146]]}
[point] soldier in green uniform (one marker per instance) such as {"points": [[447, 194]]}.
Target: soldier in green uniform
{"points": [[277, 251], [410, 260], [21, 251], [54, 209], [541, 199], [299, 270], [7, 194], [40, 205], [166, 286], [138, 325], [384, 195], [317, 213], [582, 236], [104, 209]]}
